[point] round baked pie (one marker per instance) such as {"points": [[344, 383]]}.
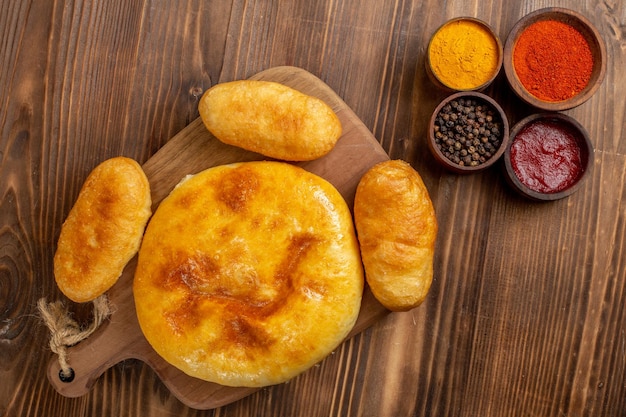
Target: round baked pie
{"points": [[249, 274]]}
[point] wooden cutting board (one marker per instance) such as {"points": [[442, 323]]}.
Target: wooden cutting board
{"points": [[190, 151]]}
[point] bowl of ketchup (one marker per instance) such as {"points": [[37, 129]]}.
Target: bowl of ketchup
{"points": [[548, 156]]}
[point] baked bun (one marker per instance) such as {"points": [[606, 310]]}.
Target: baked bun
{"points": [[271, 119], [103, 229], [248, 274], [397, 228]]}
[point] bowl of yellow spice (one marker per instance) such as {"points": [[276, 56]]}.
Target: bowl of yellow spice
{"points": [[464, 54]]}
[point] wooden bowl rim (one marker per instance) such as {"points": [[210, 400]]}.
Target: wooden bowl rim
{"points": [[584, 142], [586, 28], [442, 159], [433, 75]]}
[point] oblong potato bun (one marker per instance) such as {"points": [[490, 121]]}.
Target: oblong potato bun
{"points": [[271, 119], [103, 230], [397, 228]]}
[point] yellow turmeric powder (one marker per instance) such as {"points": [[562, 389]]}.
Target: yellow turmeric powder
{"points": [[463, 54]]}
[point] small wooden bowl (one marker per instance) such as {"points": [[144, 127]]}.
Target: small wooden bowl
{"points": [[432, 74], [582, 140], [439, 155], [591, 35]]}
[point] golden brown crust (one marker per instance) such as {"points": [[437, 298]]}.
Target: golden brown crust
{"points": [[249, 274], [397, 228], [103, 230], [271, 119]]}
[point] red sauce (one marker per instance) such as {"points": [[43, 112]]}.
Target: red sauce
{"points": [[546, 157]]}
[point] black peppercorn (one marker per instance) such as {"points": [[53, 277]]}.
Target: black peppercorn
{"points": [[468, 131]]}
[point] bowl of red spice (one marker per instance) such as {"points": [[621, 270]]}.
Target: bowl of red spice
{"points": [[554, 59], [548, 156], [468, 132]]}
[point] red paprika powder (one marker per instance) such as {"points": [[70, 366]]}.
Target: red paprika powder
{"points": [[553, 60]]}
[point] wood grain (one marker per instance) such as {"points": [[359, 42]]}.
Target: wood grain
{"points": [[526, 314]]}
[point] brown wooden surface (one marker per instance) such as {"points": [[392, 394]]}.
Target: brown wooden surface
{"points": [[527, 312]]}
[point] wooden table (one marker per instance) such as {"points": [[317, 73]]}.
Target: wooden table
{"points": [[527, 312]]}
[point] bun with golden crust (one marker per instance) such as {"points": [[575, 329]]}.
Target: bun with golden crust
{"points": [[249, 274], [397, 229], [103, 230], [271, 119]]}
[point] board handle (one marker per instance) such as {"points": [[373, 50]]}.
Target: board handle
{"points": [[114, 341], [88, 360]]}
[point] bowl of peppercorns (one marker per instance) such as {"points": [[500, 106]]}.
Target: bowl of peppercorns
{"points": [[468, 132]]}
